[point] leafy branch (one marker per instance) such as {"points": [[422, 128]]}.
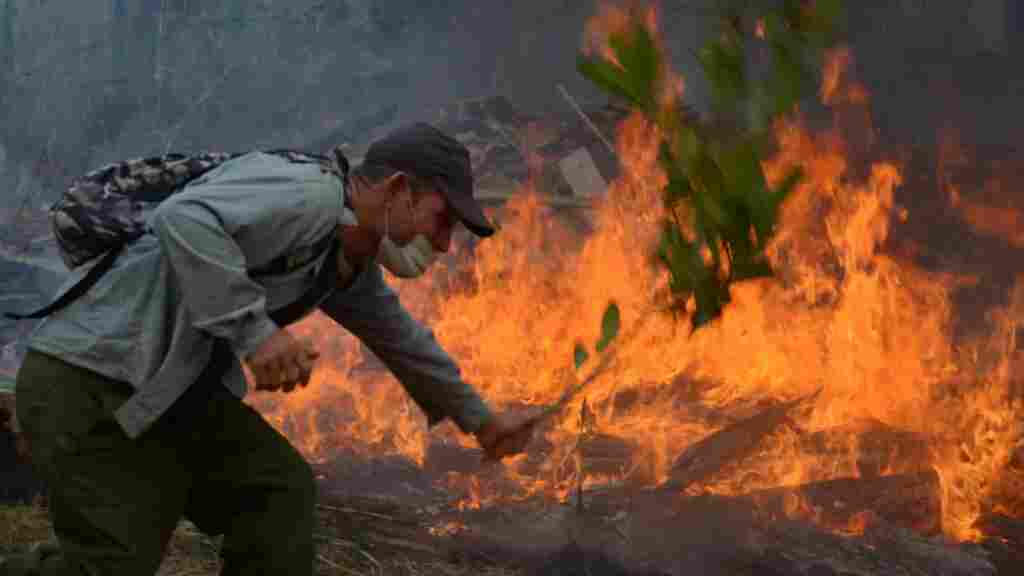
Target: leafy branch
{"points": [[720, 210], [611, 322]]}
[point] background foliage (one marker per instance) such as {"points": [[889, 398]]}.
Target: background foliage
{"points": [[721, 211]]}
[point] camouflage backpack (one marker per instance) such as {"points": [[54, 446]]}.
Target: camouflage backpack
{"points": [[107, 208]]}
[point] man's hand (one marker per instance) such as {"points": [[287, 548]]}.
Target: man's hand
{"points": [[501, 437], [282, 362]]}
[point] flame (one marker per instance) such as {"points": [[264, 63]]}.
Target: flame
{"points": [[610, 20], [873, 332], [978, 210], [836, 85], [449, 528]]}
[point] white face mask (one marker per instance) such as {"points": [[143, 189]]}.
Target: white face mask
{"points": [[409, 261]]}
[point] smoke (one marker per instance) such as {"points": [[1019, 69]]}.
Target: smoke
{"points": [[95, 81]]}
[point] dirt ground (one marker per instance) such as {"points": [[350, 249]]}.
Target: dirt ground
{"points": [[190, 553]]}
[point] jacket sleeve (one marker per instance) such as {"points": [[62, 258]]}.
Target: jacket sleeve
{"points": [[211, 233], [371, 310]]}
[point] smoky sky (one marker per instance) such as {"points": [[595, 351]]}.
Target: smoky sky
{"points": [[86, 82]]}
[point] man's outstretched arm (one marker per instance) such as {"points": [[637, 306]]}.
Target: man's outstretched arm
{"points": [[371, 310]]}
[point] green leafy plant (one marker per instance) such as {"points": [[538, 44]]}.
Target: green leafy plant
{"points": [[611, 321], [720, 210]]}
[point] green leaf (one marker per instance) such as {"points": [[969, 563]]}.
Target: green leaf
{"points": [[717, 199], [678, 188], [788, 183], [621, 47], [760, 110], [636, 52], [579, 355], [674, 252], [724, 63], [684, 146], [751, 269], [711, 295], [608, 76], [708, 200], [792, 13], [823, 24], [646, 65], [609, 326], [749, 190]]}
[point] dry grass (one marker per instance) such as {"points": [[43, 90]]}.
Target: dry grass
{"points": [[21, 526], [191, 553]]}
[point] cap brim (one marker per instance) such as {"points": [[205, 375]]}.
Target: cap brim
{"points": [[470, 213]]}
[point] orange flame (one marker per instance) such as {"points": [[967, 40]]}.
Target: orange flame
{"points": [[836, 86], [872, 331]]}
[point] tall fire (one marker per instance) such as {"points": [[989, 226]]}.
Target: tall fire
{"points": [[860, 339]]}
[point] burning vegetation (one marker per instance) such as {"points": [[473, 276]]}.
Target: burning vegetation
{"points": [[841, 396], [839, 391]]}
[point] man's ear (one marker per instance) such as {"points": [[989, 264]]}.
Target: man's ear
{"points": [[395, 184]]}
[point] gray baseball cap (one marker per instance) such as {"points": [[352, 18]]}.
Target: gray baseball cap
{"points": [[426, 152]]}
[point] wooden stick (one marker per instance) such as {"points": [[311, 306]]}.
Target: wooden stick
{"points": [[346, 510], [556, 201], [586, 119], [325, 560], [606, 359], [527, 427]]}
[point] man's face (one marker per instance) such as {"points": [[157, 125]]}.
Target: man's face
{"points": [[423, 211]]}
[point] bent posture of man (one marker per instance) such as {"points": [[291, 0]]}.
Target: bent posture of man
{"points": [[130, 398]]}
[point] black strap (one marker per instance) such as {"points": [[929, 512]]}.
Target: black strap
{"points": [[280, 265], [326, 281], [81, 287], [222, 357], [286, 263]]}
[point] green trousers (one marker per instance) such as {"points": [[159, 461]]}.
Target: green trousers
{"points": [[115, 501]]}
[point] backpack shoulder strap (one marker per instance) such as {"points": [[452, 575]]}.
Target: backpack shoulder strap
{"points": [[177, 170], [81, 287], [324, 283], [280, 265], [288, 262]]}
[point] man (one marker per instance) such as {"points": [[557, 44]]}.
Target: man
{"points": [[130, 397]]}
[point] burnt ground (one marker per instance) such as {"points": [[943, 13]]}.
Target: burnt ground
{"points": [[630, 530], [386, 516]]}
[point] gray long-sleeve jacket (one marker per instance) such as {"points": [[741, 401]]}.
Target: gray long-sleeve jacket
{"points": [[152, 319]]}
